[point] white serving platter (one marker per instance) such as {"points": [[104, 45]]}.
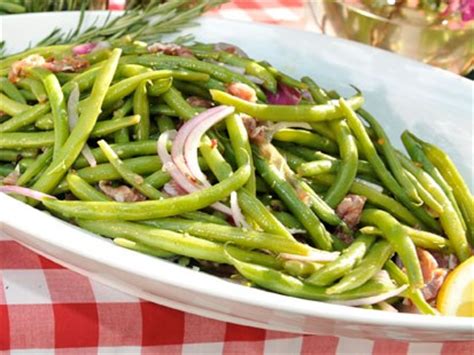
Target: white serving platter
{"points": [[401, 93]]}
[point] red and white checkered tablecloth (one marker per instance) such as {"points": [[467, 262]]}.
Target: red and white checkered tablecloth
{"points": [[47, 309]]}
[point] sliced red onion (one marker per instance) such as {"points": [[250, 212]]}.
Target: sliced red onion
{"points": [[285, 95], [237, 215], [73, 117], [36, 195], [373, 299], [176, 174], [274, 128], [84, 48], [170, 189], [254, 79], [197, 127], [226, 47], [315, 255]]}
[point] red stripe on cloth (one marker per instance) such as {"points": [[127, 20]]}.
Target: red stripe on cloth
{"points": [[319, 345], [157, 332], [4, 327], [49, 264], [76, 325], [16, 256], [66, 286], [31, 326], [235, 332], [77, 351], [244, 347], [390, 347], [272, 334], [202, 330], [118, 324], [458, 348]]}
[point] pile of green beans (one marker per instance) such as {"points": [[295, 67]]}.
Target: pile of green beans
{"points": [[292, 186]]}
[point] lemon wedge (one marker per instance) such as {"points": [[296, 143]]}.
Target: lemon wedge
{"points": [[456, 296]]}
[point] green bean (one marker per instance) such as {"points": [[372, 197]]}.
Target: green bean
{"points": [[122, 135], [249, 204], [58, 106], [28, 95], [238, 236], [12, 8], [309, 113], [22, 140], [251, 68], [158, 178], [125, 87], [25, 118], [324, 166], [425, 195], [79, 135], [45, 123], [5, 170], [289, 221], [461, 192], [141, 107], [216, 71], [165, 123], [177, 243], [241, 146], [36, 87], [284, 78], [191, 89], [11, 107], [151, 209], [449, 219], [175, 101], [212, 84], [415, 295], [131, 70], [83, 191], [417, 155], [14, 155], [302, 212], [163, 110], [141, 165], [349, 258], [398, 238], [318, 94], [370, 265], [34, 169], [159, 87], [379, 168], [300, 268], [11, 91], [349, 162], [123, 150], [306, 138], [383, 142], [422, 239], [128, 175], [105, 128], [142, 248], [84, 80], [288, 285]]}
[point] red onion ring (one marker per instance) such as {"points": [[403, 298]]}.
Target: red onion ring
{"points": [[237, 215], [372, 300], [199, 125], [24, 191]]}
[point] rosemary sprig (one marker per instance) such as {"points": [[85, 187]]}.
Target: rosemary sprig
{"points": [[140, 23]]}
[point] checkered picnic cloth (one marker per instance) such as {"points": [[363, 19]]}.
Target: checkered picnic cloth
{"points": [[47, 309]]}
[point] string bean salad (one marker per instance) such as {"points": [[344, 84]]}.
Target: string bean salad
{"points": [[203, 156]]}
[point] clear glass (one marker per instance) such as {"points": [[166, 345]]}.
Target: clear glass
{"points": [[451, 49]]}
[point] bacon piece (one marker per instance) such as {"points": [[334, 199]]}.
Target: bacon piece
{"points": [[67, 64], [121, 193], [170, 49], [19, 68], [350, 209], [430, 291], [428, 264], [11, 178], [242, 91], [197, 101]]}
